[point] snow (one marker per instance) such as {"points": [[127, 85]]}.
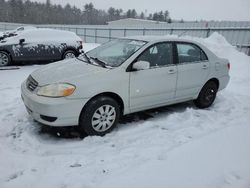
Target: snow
{"points": [[43, 35], [215, 165], [176, 146]]}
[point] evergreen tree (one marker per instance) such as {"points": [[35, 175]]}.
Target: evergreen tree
{"points": [[32, 12], [142, 16]]}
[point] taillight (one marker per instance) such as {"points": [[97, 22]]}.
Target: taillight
{"points": [[228, 66], [80, 43]]}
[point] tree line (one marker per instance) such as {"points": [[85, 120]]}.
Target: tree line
{"points": [[26, 11]]}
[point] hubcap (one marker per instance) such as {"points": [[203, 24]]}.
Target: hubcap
{"points": [[103, 118], [4, 60], [69, 55]]}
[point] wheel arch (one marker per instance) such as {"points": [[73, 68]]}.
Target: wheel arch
{"points": [[70, 49], [112, 95], [216, 80]]}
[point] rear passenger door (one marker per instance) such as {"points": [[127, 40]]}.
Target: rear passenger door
{"points": [[193, 69], [53, 45]]}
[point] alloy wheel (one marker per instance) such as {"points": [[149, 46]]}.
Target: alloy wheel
{"points": [[103, 118], [4, 59], [69, 55]]}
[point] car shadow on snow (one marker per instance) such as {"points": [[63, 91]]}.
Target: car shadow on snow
{"points": [[127, 120]]}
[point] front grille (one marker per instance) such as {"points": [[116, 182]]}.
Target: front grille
{"points": [[31, 83]]}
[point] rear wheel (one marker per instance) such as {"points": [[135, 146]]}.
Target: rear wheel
{"points": [[4, 59], [207, 95], [100, 116], [69, 54]]}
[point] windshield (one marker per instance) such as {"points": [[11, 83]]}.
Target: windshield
{"points": [[7, 35], [115, 52]]}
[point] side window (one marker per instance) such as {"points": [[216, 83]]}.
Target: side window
{"points": [[190, 53], [158, 55]]}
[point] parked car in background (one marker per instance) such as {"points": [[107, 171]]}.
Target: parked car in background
{"points": [[38, 45], [121, 77]]}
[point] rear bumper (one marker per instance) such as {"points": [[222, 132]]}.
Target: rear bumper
{"points": [[52, 111], [223, 82]]}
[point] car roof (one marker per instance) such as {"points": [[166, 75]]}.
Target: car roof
{"points": [[44, 31], [157, 38]]}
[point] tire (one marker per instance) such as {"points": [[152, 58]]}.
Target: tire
{"points": [[100, 116], [4, 59], [207, 95], [69, 54]]}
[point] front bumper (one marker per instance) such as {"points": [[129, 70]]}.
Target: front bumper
{"points": [[57, 111]]}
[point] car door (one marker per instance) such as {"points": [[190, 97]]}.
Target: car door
{"points": [[41, 44], [21, 48], [154, 86], [54, 45], [30, 49], [193, 69]]}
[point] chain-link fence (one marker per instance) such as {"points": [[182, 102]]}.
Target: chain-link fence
{"points": [[237, 36]]}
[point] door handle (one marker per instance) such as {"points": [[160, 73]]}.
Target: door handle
{"points": [[205, 66], [171, 71]]}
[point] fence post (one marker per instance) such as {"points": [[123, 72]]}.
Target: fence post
{"points": [[76, 30], [109, 34], [208, 32], [143, 31], [85, 34], [171, 31], [125, 32], [95, 35]]}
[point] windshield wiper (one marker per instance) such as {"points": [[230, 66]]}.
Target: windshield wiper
{"points": [[99, 62], [86, 57]]}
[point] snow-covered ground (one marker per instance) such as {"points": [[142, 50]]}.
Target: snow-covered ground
{"points": [[177, 146]]}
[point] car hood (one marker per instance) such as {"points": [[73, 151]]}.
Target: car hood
{"points": [[64, 71]]}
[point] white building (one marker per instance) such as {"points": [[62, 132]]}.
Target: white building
{"points": [[132, 22]]}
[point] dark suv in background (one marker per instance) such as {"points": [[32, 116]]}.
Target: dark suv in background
{"points": [[38, 45]]}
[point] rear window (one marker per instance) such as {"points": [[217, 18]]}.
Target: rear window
{"points": [[188, 53]]}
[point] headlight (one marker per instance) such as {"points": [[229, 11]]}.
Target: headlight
{"points": [[56, 90]]}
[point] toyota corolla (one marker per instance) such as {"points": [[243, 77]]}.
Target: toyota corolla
{"points": [[123, 76]]}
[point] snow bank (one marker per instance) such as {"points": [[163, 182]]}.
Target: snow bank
{"points": [[196, 164], [240, 77], [180, 146]]}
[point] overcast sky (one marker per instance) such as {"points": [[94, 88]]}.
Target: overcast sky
{"points": [[179, 9]]}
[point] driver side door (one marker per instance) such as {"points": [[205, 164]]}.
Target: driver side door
{"points": [[155, 86]]}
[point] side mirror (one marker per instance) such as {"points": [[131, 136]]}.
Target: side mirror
{"points": [[21, 41], [141, 65]]}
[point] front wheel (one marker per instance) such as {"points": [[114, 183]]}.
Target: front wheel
{"points": [[4, 59], [207, 95], [100, 116]]}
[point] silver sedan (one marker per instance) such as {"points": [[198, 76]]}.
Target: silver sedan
{"points": [[123, 76]]}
